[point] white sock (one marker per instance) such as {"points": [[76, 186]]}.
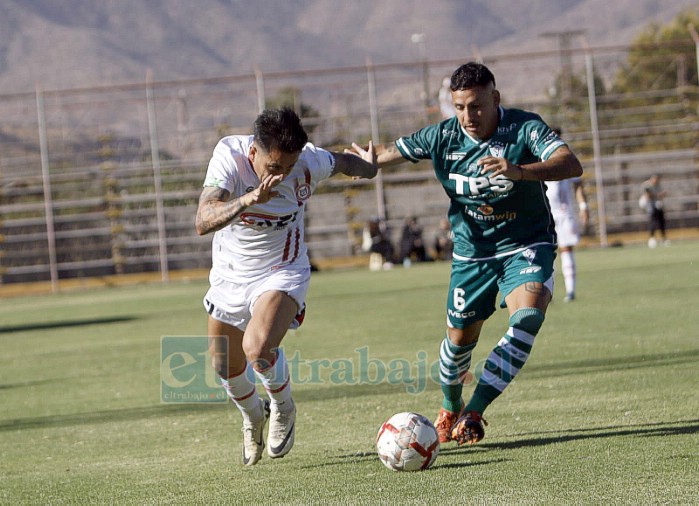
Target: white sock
{"points": [[568, 270], [275, 379], [241, 390]]}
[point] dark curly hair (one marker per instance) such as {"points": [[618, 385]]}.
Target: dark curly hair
{"points": [[280, 129], [470, 75]]}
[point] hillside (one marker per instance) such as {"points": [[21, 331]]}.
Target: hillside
{"points": [[80, 43]]}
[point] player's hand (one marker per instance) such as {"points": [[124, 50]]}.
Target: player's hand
{"points": [[495, 166], [584, 218], [263, 193], [367, 154]]}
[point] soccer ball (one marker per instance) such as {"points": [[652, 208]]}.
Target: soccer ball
{"points": [[407, 442]]}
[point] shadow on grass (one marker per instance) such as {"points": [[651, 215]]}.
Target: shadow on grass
{"points": [[535, 371], [64, 323], [371, 456], [24, 384], [645, 430], [107, 416], [160, 410]]}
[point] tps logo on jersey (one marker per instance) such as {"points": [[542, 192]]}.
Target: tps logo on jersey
{"points": [[480, 186]]}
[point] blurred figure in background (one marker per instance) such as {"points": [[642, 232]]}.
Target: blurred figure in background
{"points": [[652, 196], [569, 208], [375, 241], [412, 246], [444, 241], [446, 108]]}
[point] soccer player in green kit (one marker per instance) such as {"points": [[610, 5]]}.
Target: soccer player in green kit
{"points": [[492, 162]]}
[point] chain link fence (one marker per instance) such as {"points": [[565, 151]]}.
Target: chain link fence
{"points": [[105, 180]]}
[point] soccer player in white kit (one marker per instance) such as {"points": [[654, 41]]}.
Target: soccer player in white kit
{"points": [[567, 199], [254, 197]]}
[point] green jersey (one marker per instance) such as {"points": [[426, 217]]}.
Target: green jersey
{"points": [[490, 216]]}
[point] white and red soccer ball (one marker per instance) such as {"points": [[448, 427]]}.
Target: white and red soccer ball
{"points": [[407, 442]]}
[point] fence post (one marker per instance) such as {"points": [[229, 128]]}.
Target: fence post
{"points": [[599, 184], [157, 179], [46, 183], [374, 118], [260, 84]]}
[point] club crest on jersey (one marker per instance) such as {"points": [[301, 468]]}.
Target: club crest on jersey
{"points": [[497, 149], [303, 191], [529, 254]]}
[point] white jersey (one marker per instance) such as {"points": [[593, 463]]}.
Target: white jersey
{"points": [[564, 208], [561, 195], [263, 237]]}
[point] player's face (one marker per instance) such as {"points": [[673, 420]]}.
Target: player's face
{"points": [[477, 110], [272, 162]]}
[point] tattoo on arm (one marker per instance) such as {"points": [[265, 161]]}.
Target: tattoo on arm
{"points": [[215, 211]]}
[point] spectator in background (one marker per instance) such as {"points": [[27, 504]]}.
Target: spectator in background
{"points": [[375, 241], [652, 199], [444, 241], [412, 247]]}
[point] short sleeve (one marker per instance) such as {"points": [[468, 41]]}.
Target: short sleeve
{"points": [[540, 138], [319, 161], [223, 169], [417, 146]]}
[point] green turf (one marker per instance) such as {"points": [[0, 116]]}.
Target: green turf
{"points": [[606, 411]]}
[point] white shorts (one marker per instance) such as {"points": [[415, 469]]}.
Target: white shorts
{"points": [[234, 303], [566, 229]]}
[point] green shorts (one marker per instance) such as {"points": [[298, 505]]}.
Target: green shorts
{"points": [[474, 284]]}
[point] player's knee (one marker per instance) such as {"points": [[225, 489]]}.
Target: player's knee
{"points": [[259, 357], [529, 319]]}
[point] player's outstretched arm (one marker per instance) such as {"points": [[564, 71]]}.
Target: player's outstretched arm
{"points": [[386, 154], [357, 162]]}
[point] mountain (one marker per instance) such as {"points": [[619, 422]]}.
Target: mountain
{"points": [[82, 43]]}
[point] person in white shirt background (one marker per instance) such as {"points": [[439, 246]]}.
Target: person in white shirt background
{"points": [[569, 209]]}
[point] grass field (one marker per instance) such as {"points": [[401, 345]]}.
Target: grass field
{"points": [[605, 412]]}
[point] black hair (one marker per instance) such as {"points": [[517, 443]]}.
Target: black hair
{"points": [[280, 129], [470, 75]]}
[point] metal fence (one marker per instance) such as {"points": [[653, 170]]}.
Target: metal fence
{"points": [[105, 180]]}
